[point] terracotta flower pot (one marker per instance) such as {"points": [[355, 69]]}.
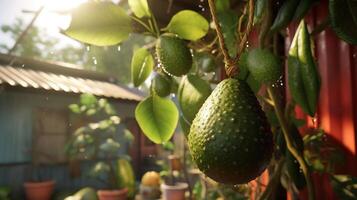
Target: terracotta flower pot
{"points": [[113, 194], [39, 190], [174, 192]]}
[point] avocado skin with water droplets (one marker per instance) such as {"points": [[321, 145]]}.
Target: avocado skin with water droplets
{"points": [[230, 138], [174, 55]]}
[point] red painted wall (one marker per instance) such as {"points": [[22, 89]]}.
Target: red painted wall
{"points": [[337, 111]]}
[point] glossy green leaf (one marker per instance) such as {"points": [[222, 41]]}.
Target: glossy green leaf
{"points": [[99, 23], [140, 8], [303, 77], [188, 25], [142, 64], [157, 117], [192, 93], [343, 15]]}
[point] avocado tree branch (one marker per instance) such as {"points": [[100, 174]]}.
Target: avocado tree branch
{"points": [[290, 145]]}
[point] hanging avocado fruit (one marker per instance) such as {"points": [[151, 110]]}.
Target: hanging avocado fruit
{"points": [[230, 138], [173, 55], [161, 84]]}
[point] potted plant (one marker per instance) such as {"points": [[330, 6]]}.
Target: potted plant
{"points": [[98, 140], [172, 186], [38, 188]]}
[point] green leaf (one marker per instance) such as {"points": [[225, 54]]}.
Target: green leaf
{"points": [[140, 8], [99, 23], [126, 176], [109, 146], [88, 99], [344, 186], [157, 117], [222, 5], [343, 15], [188, 25], [74, 108], [142, 64], [128, 136], [192, 93], [169, 146]]}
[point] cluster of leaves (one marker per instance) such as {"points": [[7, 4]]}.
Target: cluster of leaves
{"points": [[96, 140]]}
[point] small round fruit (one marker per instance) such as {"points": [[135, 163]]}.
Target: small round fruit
{"points": [[264, 66], [230, 138], [174, 55], [161, 84], [151, 179]]}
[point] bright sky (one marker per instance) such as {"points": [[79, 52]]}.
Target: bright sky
{"points": [[48, 19]]}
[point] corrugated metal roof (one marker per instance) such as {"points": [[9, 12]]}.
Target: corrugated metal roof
{"points": [[28, 78]]}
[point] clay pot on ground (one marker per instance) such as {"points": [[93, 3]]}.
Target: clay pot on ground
{"points": [[121, 194], [39, 190], [174, 192]]}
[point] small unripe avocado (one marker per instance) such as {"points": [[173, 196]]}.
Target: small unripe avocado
{"points": [[263, 65], [174, 55], [161, 84], [230, 138]]}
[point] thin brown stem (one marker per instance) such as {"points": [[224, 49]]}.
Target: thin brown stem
{"points": [[240, 23], [274, 180], [247, 31], [290, 145], [229, 62]]}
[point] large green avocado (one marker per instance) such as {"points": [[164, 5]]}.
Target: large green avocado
{"points": [[174, 55], [230, 138]]}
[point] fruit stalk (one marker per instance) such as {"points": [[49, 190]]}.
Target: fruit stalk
{"points": [[299, 157]]}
